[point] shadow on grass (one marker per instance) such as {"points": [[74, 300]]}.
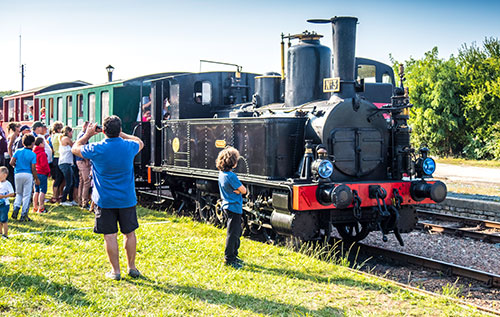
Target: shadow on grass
{"points": [[311, 277], [36, 284], [69, 216], [239, 301]]}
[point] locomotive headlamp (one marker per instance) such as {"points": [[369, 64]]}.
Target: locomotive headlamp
{"points": [[428, 166], [322, 168]]}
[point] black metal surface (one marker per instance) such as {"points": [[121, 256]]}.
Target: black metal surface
{"points": [[309, 63], [270, 147], [201, 95], [267, 89], [344, 45], [301, 225]]}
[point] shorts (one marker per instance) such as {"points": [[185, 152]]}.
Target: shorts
{"points": [[42, 188], [107, 219], [4, 213]]}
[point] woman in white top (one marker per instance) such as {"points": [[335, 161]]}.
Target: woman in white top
{"points": [[65, 165]]}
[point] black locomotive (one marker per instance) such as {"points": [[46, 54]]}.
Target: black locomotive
{"points": [[319, 151]]}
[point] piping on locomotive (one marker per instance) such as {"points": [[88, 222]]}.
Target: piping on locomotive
{"points": [[316, 153]]}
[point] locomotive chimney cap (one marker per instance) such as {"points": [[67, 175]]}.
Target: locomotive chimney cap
{"points": [[332, 20]]}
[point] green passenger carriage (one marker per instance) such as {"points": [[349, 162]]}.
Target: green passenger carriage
{"points": [[94, 103]]}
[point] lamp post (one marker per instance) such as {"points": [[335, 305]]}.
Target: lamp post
{"points": [[110, 70]]}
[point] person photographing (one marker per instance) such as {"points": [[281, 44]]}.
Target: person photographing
{"points": [[114, 190]]}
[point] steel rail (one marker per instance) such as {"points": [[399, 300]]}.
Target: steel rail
{"points": [[469, 221], [490, 279], [470, 232]]}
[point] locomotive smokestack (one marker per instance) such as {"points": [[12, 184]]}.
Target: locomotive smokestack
{"points": [[344, 46]]}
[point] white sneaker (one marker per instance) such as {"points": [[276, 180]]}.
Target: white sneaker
{"points": [[74, 203], [67, 204]]}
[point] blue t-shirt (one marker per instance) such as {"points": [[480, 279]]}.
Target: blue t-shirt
{"points": [[228, 183], [112, 162], [24, 158]]}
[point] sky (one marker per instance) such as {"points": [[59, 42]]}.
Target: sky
{"points": [[66, 41]]}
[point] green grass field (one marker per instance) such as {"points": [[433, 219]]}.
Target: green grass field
{"points": [[62, 273]]}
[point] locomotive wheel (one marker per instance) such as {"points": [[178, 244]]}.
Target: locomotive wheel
{"points": [[206, 212], [220, 216], [353, 232]]}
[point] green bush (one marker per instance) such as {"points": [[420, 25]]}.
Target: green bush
{"points": [[457, 101]]}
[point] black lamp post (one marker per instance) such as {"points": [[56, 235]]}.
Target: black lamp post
{"points": [[110, 70]]}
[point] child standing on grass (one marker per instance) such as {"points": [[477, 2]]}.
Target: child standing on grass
{"points": [[6, 191], [231, 191], [24, 163], [43, 171]]}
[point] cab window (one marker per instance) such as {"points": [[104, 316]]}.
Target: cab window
{"points": [[203, 92], [387, 79], [367, 72]]}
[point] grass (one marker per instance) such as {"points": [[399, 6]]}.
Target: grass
{"points": [[61, 273], [460, 161]]}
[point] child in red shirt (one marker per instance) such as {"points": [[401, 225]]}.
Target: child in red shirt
{"points": [[43, 171]]}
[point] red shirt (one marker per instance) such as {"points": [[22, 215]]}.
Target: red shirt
{"points": [[42, 164]]}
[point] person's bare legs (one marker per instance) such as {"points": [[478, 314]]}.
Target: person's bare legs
{"points": [[5, 229], [35, 202], [41, 200], [111, 246], [129, 243]]}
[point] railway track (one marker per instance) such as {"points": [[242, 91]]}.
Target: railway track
{"points": [[461, 227], [490, 279]]}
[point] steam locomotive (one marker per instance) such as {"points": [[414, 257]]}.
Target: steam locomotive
{"points": [[319, 151]]}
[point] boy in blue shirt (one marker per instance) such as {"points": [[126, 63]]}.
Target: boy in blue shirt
{"points": [[231, 191], [24, 163]]}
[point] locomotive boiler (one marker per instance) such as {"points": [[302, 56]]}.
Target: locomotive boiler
{"points": [[320, 150]]}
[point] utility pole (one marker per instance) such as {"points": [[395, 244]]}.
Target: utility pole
{"points": [[21, 65]]}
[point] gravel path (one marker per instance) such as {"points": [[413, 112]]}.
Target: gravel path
{"points": [[460, 251], [467, 173]]}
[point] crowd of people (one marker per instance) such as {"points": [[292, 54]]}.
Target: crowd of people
{"points": [[29, 156], [101, 172]]}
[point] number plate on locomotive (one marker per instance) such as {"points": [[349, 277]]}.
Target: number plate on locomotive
{"points": [[331, 84]]}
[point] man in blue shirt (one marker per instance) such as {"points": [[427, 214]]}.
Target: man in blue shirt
{"points": [[112, 161]]}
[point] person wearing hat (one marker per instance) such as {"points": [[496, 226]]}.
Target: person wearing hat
{"points": [[18, 144], [39, 129]]}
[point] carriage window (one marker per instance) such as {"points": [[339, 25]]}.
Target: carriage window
{"points": [[386, 78], [104, 105], [79, 106], [69, 110], [11, 109], [92, 107], [59, 109], [27, 109], [367, 72], [42, 111], [203, 92], [51, 109], [79, 109]]}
